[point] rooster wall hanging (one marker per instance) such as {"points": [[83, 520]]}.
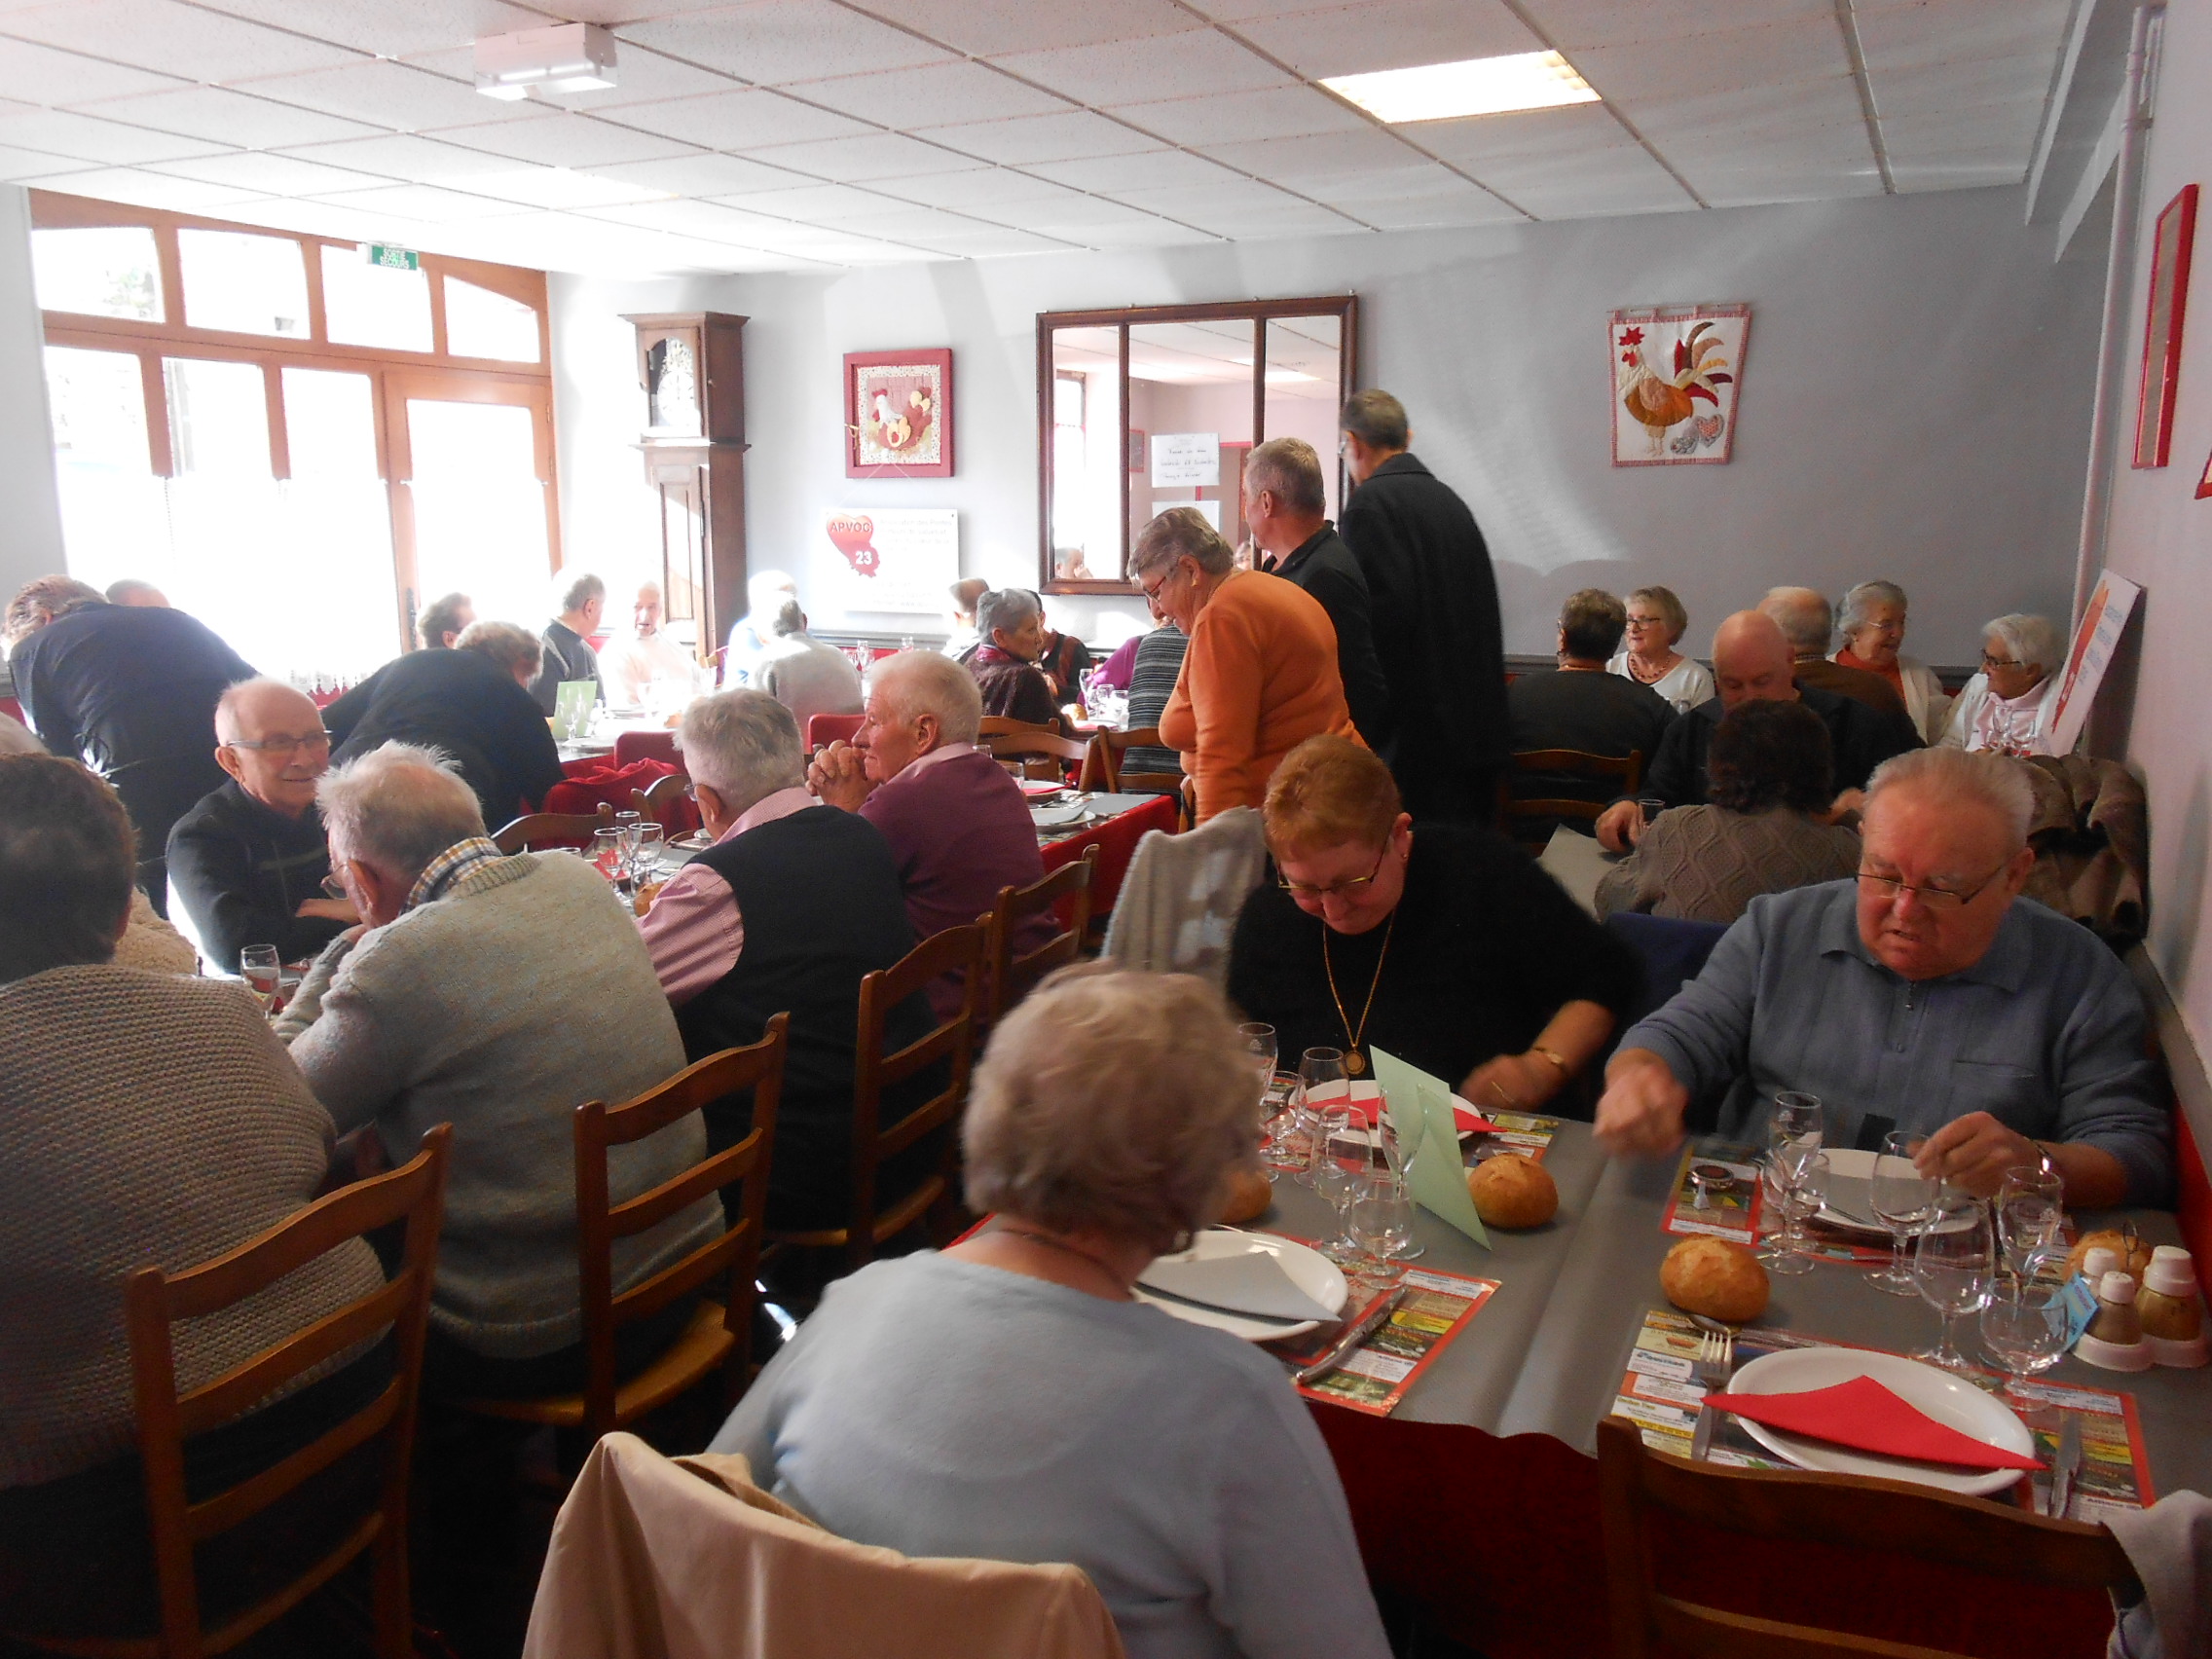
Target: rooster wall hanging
{"points": [[1677, 372]]}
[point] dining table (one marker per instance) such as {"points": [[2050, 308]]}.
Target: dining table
{"points": [[1477, 1497], [1114, 824]]}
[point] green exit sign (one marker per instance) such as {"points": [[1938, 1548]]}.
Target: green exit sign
{"points": [[393, 258]]}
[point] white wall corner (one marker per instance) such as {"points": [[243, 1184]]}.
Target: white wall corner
{"points": [[30, 530]]}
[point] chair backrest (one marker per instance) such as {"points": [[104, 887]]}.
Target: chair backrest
{"points": [[154, 1300], [553, 828], [1639, 1488], [1620, 774], [822, 731], [633, 746], [733, 1253], [955, 951], [1179, 902], [1014, 741], [1103, 769], [663, 800], [1011, 975]]}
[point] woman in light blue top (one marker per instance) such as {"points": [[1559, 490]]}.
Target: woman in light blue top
{"points": [[1010, 1399]]}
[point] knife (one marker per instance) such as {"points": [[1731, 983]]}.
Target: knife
{"points": [[1351, 1339], [1284, 1319], [2069, 1462]]}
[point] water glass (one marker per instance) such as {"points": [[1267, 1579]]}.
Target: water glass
{"points": [[1903, 1200], [645, 852], [1802, 1173], [609, 853], [2031, 1207], [1285, 1148], [2024, 1325], [1322, 1070], [1954, 1265], [263, 974], [1382, 1225], [1339, 1163], [1260, 1042]]}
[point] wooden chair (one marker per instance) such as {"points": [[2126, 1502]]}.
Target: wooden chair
{"points": [[154, 1300], [1033, 751], [822, 731], [1102, 767], [719, 1336], [1641, 1487], [1620, 774], [553, 828], [955, 951], [663, 801], [1011, 975]]}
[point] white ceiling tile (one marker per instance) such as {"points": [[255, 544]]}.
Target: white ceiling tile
{"points": [[232, 118], [270, 174], [559, 139], [1578, 23], [1967, 171], [400, 156], [642, 76], [1112, 173], [389, 28], [898, 222], [738, 119], [395, 97], [862, 157], [1929, 88], [990, 241], [174, 39], [708, 221], [817, 203], [1716, 62], [554, 188], [1203, 60], [1481, 139], [1297, 219], [1137, 234], [1063, 218], [1621, 180], [1032, 138], [1908, 36], [1353, 39], [41, 75], [773, 41], [315, 219], [18, 164], [706, 174], [143, 188], [1433, 211], [1755, 112], [985, 27], [420, 202], [1985, 131], [839, 248], [995, 186], [1319, 156], [937, 93], [1228, 118], [1220, 196], [614, 13], [88, 138]]}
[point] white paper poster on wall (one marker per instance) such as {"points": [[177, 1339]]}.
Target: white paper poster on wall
{"points": [[892, 559], [2095, 642], [1184, 460]]}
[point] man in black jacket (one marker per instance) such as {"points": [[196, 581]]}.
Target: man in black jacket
{"points": [[567, 652], [1752, 660], [131, 691], [1435, 612], [1285, 503], [472, 703], [249, 859], [1583, 707]]}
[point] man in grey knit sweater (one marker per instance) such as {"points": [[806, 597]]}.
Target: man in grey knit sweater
{"points": [[496, 994]]}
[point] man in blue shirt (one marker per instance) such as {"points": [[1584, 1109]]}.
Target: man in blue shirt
{"points": [[1928, 992]]}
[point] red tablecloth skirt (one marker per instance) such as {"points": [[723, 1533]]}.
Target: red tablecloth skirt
{"points": [[1116, 842]]}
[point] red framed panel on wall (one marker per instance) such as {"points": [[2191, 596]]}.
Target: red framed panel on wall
{"points": [[899, 414], [2167, 302]]}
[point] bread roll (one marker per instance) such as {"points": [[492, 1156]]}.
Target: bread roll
{"points": [[1714, 1277], [1510, 1191], [1250, 1193], [2133, 1263]]}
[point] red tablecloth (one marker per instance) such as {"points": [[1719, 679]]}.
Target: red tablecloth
{"points": [[1116, 842]]}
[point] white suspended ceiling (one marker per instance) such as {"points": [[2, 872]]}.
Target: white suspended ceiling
{"points": [[796, 134]]}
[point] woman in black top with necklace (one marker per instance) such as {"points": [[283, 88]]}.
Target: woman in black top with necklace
{"points": [[1445, 947]]}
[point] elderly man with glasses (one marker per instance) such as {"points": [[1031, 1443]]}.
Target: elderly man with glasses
{"points": [[249, 862], [1925, 995]]}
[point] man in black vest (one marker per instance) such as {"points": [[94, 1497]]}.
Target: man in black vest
{"points": [[793, 905], [1435, 614]]}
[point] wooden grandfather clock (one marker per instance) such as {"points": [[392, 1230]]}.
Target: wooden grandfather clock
{"points": [[691, 368]]}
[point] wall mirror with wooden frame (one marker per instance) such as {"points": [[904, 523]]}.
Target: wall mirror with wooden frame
{"points": [[1152, 407]]}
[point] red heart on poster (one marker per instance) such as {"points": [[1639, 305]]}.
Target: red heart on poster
{"points": [[854, 535]]}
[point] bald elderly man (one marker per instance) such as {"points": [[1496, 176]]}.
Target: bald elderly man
{"points": [[1754, 659], [1925, 994], [248, 861]]}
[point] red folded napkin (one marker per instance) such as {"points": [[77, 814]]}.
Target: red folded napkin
{"points": [[1867, 1417], [1039, 786], [1364, 1111]]}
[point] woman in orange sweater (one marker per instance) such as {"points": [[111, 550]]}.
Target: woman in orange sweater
{"points": [[1260, 676]]}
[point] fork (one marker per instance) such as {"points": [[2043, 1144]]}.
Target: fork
{"points": [[1710, 1367]]}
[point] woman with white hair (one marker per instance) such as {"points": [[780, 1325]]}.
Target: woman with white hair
{"points": [[1656, 623], [1008, 1398], [1871, 620], [2005, 706]]}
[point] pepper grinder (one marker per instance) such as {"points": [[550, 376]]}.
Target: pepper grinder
{"points": [[2113, 1340], [2172, 1318]]}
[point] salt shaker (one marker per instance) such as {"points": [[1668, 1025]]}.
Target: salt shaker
{"points": [[2113, 1340], [2171, 1316]]}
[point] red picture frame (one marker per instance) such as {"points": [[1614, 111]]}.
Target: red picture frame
{"points": [[2165, 304], [899, 414]]}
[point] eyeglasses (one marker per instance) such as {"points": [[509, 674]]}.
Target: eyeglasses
{"points": [[1989, 662], [333, 888], [1942, 899], [1306, 892], [1152, 590], [1646, 621], [284, 744]]}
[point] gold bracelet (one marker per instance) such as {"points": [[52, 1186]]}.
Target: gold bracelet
{"points": [[1565, 1070]]}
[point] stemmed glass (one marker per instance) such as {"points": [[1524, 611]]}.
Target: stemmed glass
{"points": [[1381, 1222], [1284, 1148], [1903, 1200], [1794, 1128], [1954, 1262], [1260, 1042], [1340, 1165], [263, 974], [1321, 1068], [2031, 1205], [2024, 1324], [1802, 1173], [645, 852], [608, 853]]}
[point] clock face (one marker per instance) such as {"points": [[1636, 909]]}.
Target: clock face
{"points": [[672, 385]]}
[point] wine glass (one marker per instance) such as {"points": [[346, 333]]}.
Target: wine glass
{"points": [[263, 974], [2024, 1324], [645, 852], [1284, 1148], [2031, 1205], [1381, 1223], [1260, 1043], [1954, 1262], [1802, 1173], [1339, 1163], [1793, 1122], [607, 854], [1320, 1070], [1902, 1199]]}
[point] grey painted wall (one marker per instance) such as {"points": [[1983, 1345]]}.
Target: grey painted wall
{"points": [[30, 526], [1915, 401]]}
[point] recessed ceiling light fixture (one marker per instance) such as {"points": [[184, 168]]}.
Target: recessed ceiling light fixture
{"points": [[566, 58], [1474, 86]]}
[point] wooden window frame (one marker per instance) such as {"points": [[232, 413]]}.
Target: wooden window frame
{"points": [[1259, 312], [395, 375]]}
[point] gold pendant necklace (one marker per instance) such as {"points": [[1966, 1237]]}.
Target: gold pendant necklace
{"points": [[1355, 1062]]}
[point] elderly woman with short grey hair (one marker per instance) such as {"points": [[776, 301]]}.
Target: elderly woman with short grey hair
{"points": [[1010, 1399], [1871, 620], [2007, 705], [1012, 624], [1655, 622]]}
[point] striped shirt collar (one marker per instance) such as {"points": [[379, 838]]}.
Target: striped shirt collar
{"points": [[449, 866]]}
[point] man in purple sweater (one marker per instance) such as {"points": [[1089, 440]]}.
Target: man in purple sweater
{"points": [[956, 822]]}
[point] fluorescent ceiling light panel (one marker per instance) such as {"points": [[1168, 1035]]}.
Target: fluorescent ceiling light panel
{"points": [[1474, 86], [567, 57]]}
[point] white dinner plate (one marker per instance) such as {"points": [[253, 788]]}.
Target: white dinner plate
{"points": [[1951, 1401], [1309, 1270], [1850, 1177], [1053, 817]]}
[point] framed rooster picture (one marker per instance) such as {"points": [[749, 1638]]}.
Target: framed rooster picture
{"points": [[1676, 373], [899, 414]]}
